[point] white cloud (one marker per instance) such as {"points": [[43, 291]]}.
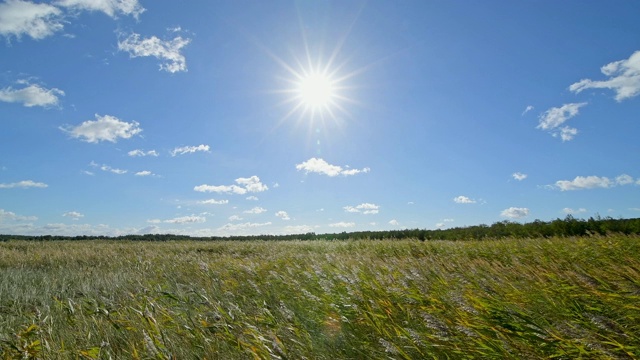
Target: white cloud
{"points": [[572, 211], [255, 210], [144, 173], [519, 176], [234, 228], [343, 224], [213, 202], [189, 149], [529, 108], [186, 220], [38, 21], [365, 208], [139, 152], [234, 218], [515, 213], [154, 221], [440, 225], [320, 166], [252, 198], [592, 182], [74, 215], [463, 200], [109, 7], [104, 128], [23, 184], [624, 179], [283, 215], [108, 168], [394, 222], [32, 95], [297, 229], [166, 51], [624, 78], [10, 216], [251, 184], [553, 118], [584, 182]]}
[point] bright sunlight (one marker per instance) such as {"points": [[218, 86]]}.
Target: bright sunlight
{"points": [[316, 90]]}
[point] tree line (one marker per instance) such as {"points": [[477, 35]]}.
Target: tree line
{"points": [[569, 226]]}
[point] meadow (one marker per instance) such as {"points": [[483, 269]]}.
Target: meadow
{"points": [[564, 298]]}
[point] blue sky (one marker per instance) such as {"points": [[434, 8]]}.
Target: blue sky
{"points": [[252, 117]]}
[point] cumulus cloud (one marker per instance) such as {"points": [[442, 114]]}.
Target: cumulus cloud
{"points": [[252, 198], [168, 52], [138, 152], [104, 128], [394, 222], [592, 182], [37, 20], [283, 215], [251, 184], [320, 166], [364, 208], [463, 200], [623, 78], [74, 215], [552, 120], [234, 218], [109, 7], [255, 210], [189, 149], [342, 224], [24, 184], [519, 176], [31, 95], [6, 216], [515, 212]]}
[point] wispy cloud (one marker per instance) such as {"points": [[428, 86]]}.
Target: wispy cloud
{"points": [[145, 173], [189, 149], [364, 208], [241, 228], [592, 182], [394, 222], [109, 7], [572, 211], [515, 212], [624, 78], [463, 200], [31, 95], [104, 128], [167, 51], [250, 184], [37, 20], [139, 152], [552, 119], [255, 210], [342, 224], [527, 109], [108, 168], [519, 176], [73, 215], [24, 185], [283, 215], [213, 202], [320, 166], [186, 220]]}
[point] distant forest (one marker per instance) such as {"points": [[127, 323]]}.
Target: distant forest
{"points": [[569, 226]]}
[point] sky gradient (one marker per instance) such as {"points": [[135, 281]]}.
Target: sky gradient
{"points": [[215, 118]]}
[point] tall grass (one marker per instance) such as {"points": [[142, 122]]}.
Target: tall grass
{"points": [[501, 299]]}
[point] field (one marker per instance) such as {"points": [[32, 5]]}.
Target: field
{"points": [[561, 298]]}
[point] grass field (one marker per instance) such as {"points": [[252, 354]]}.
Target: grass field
{"points": [[502, 299]]}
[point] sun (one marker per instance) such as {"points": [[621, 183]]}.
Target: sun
{"points": [[316, 91]]}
